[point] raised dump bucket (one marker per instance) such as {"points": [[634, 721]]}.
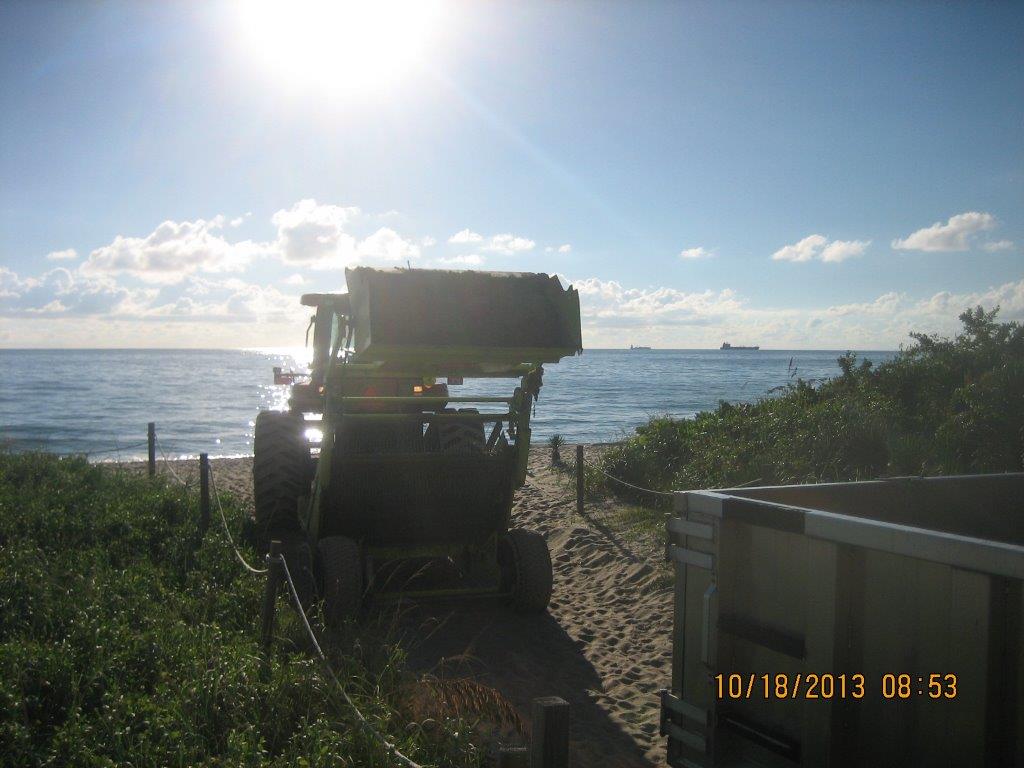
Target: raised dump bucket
{"points": [[437, 316], [849, 624]]}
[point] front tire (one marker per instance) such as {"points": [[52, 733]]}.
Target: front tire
{"points": [[280, 472], [340, 569], [528, 567]]}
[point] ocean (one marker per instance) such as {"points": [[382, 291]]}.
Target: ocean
{"points": [[99, 401]]}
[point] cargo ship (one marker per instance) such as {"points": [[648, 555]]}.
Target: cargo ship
{"points": [[636, 349], [729, 347]]}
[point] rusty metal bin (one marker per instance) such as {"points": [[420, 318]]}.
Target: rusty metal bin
{"points": [[849, 624]]}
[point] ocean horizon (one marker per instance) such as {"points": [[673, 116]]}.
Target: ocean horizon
{"points": [[98, 401]]}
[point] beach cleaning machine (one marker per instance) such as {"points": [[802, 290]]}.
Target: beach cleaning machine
{"points": [[409, 491]]}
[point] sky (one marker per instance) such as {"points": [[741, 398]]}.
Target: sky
{"points": [[794, 175]]}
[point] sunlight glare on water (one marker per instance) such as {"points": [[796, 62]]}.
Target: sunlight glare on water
{"points": [[73, 401]]}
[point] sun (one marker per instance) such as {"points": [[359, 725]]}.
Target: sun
{"points": [[342, 47]]}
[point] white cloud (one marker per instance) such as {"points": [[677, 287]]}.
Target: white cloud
{"points": [[508, 244], [805, 250], [10, 284], [59, 291], [315, 236], [614, 315], [427, 241], [65, 255], [182, 266], [700, 252], [819, 247], [998, 245], [172, 251], [65, 307], [956, 234], [309, 234], [505, 244], [841, 250], [465, 236], [608, 302], [387, 245], [471, 260]]}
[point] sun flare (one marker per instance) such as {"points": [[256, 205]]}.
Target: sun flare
{"points": [[340, 47]]}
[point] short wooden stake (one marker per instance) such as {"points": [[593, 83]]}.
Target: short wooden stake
{"points": [[549, 738], [151, 438], [513, 757], [579, 480], [204, 493], [270, 595]]}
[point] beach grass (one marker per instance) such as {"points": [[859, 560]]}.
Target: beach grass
{"points": [[125, 639]]}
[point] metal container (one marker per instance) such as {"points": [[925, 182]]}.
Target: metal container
{"points": [[849, 624]]}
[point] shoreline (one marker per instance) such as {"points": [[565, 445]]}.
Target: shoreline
{"points": [[142, 459]]}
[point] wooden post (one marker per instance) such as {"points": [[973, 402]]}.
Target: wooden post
{"points": [[204, 493], [579, 480], [549, 737], [151, 438], [270, 595], [513, 757]]}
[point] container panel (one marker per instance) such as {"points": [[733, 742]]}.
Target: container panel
{"points": [[762, 579], [788, 600], [981, 506]]}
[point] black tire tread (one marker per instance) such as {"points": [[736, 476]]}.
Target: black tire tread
{"points": [[299, 557], [280, 471], [533, 578], [341, 578]]}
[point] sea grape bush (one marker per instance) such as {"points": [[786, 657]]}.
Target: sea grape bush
{"points": [[125, 640], [941, 406]]}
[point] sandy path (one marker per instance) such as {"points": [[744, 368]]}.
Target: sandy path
{"points": [[604, 646]]}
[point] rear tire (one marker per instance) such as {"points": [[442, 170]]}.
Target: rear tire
{"points": [[280, 472], [527, 562], [341, 578], [299, 557]]}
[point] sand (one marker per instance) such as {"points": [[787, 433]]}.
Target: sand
{"points": [[604, 646]]}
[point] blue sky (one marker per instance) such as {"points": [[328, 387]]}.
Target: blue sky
{"points": [[800, 175]]}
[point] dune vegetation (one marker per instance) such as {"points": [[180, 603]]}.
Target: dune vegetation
{"points": [[942, 406], [125, 639]]}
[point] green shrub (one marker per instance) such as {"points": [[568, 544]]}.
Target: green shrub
{"points": [[942, 406], [124, 640]]}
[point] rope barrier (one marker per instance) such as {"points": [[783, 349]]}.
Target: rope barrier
{"points": [[390, 747], [623, 482], [168, 463], [116, 449], [227, 531]]}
